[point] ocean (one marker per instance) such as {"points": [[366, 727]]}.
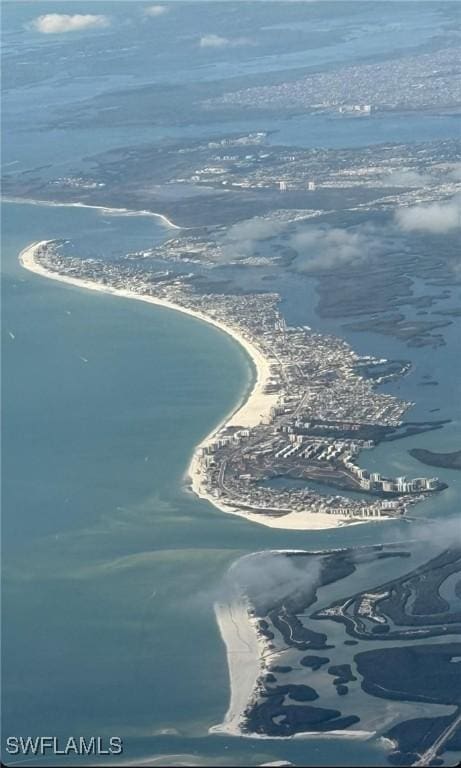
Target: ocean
{"points": [[108, 558], [111, 565]]}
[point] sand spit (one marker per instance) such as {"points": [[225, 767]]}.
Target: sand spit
{"points": [[103, 208]]}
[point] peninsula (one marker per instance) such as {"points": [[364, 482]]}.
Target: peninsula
{"points": [[308, 416]]}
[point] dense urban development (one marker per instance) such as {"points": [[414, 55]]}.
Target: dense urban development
{"points": [[410, 82], [231, 294], [316, 411]]}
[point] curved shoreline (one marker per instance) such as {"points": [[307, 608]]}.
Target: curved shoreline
{"points": [[245, 650], [253, 406], [104, 208]]}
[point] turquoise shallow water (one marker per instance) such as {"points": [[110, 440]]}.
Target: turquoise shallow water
{"points": [[111, 566]]}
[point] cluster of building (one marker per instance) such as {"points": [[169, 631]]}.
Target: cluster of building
{"points": [[355, 109], [409, 82], [400, 169], [77, 182], [313, 381], [192, 248], [372, 481]]}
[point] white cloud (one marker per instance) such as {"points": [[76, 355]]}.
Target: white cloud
{"points": [[323, 248], [57, 23], [408, 178], [243, 239], [254, 229], [216, 41], [267, 577], [437, 218], [155, 10]]}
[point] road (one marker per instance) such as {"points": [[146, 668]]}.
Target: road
{"points": [[427, 756]]}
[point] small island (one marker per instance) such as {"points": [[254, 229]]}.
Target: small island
{"points": [[433, 459]]}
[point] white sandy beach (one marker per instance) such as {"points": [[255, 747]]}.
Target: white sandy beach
{"points": [[249, 654], [252, 409], [246, 652], [244, 661], [249, 412], [103, 208]]}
